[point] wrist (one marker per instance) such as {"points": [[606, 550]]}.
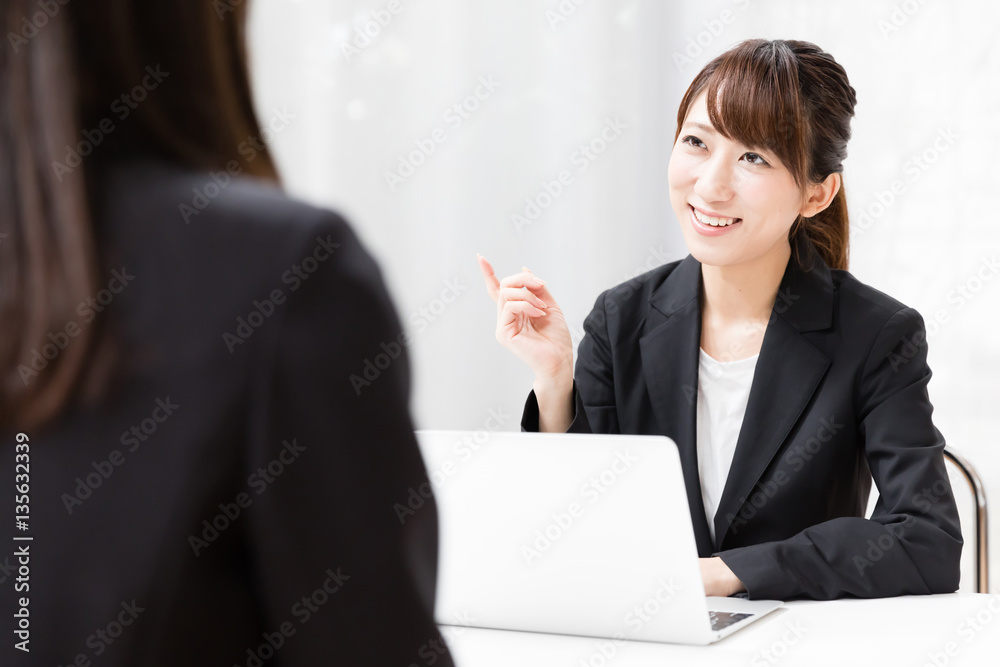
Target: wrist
{"points": [[549, 384], [732, 582]]}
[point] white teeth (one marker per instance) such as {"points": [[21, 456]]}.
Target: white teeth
{"points": [[714, 222]]}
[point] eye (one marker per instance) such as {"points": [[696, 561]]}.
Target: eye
{"points": [[694, 141], [754, 158]]}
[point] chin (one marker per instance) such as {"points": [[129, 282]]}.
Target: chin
{"points": [[711, 254], [709, 258]]}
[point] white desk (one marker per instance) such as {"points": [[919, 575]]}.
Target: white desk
{"points": [[911, 631]]}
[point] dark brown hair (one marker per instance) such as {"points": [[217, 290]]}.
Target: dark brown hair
{"points": [[794, 100], [60, 71]]}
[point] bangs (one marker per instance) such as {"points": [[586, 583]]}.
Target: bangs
{"points": [[753, 98]]}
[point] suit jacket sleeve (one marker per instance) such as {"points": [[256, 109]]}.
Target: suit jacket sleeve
{"points": [[594, 408], [335, 557], [912, 543]]}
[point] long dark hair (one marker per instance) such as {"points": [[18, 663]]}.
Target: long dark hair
{"points": [[793, 99], [63, 67]]}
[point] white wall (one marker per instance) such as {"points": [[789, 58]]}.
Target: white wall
{"points": [[922, 70]]}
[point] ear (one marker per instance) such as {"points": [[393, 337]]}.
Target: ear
{"points": [[820, 195]]}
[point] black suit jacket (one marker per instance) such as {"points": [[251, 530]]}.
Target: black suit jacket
{"points": [[237, 495], [839, 396]]}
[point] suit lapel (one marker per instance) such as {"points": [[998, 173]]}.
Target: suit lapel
{"points": [[787, 373], [669, 349]]}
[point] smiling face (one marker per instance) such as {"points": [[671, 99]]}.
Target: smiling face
{"points": [[735, 203]]}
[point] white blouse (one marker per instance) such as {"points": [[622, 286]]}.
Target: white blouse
{"points": [[723, 392]]}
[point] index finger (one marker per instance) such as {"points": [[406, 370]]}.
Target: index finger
{"points": [[490, 276]]}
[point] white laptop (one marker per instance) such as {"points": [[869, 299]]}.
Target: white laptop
{"points": [[571, 534]]}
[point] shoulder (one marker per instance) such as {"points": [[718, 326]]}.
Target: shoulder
{"points": [[888, 336], [249, 247], [863, 299], [869, 314], [216, 226], [161, 199]]}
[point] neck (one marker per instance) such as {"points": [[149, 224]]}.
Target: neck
{"points": [[742, 292]]}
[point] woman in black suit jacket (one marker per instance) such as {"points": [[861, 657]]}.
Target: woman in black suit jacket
{"points": [[210, 474], [839, 393]]}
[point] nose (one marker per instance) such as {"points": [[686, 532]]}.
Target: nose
{"points": [[714, 182]]}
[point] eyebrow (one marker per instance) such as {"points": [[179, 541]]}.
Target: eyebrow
{"points": [[706, 128]]}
